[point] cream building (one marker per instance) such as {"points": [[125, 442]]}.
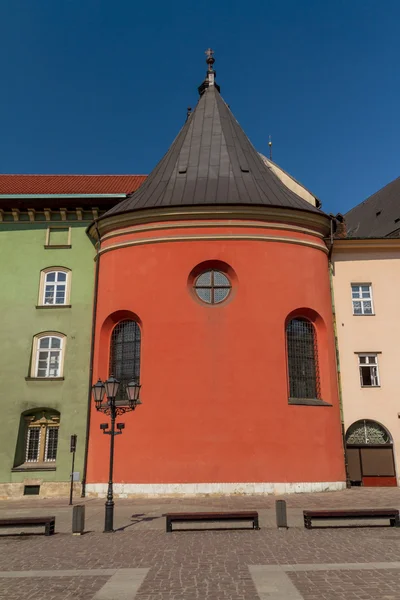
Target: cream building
{"points": [[366, 290]]}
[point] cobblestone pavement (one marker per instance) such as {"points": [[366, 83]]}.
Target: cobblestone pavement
{"points": [[326, 564]]}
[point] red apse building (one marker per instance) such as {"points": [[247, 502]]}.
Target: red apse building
{"points": [[213, 289]]}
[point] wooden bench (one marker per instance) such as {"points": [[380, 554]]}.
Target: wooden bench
{"points": [[48, 523], [376, 513], [211, 517]]}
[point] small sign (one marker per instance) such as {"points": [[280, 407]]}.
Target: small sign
{"points": [[72, 447], [75, 476]]}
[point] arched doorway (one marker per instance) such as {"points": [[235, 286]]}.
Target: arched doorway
{"points": [[369, 448]]}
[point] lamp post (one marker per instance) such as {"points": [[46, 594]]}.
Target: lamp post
{"points": [[113, 408]]}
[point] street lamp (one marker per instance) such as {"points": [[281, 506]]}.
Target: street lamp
{"points": [[111, 407]]}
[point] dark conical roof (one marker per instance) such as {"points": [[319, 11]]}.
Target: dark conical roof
{"points": [[211, 162]]}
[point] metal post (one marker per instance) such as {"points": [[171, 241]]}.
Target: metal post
{"points": [[109, 516], [72, 449]]}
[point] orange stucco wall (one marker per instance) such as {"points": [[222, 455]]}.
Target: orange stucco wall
{"points": [[214, 378]]}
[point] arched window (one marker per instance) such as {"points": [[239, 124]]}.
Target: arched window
{"points": [[367, 432], [55, 286], [302, 359], [125, 354], [48, 355]]}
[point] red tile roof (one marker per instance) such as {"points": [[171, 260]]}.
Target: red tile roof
{"points": [[70, 184]]}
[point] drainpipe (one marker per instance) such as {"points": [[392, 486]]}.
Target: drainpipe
{"points": [[89, 399], [339, 379]]}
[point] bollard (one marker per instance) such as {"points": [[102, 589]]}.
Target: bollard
{"points": [[78, 519], [281, 516]]}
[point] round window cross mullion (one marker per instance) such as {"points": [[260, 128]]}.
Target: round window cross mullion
{"points": [[212, 287]]}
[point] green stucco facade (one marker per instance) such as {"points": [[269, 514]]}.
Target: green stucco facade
{"points": [[23, 256]]}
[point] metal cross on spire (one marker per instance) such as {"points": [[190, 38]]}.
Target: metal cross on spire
{"points": [[209, 52]]}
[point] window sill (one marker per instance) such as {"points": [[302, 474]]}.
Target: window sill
{"points": [[54, 306], [366, 315], [308, 402], [44, 378], [28, 467], [369, 387], [57, 247]]}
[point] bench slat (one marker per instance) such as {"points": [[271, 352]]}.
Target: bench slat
{"points": [[26, 521], [217, 515], [385, 512]]}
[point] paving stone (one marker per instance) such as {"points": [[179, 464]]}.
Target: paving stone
{"points": [[204, 565]]}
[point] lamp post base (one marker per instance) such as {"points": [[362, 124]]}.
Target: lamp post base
{"points": [[109, 517]]}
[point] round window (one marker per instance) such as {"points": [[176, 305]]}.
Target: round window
{"points": [[212, 287]]}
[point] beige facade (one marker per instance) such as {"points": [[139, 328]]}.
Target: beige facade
{"points": [[374, 393]]}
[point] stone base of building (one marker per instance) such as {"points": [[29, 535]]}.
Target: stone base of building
{"points": [[47, 489], [127, 490]]}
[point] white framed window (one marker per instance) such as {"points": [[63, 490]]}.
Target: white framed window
{"points": [[361, 294], [368, 366], [48, 355], [55, 286]]}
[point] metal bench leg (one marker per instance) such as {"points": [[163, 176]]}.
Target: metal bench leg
{"points": [[255, 523], [169, 525], [395, 522], [47, 529], [307, 523]]}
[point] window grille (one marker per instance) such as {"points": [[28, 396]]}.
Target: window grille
{"points": [[302, 359], [368, 365], [32, 444], [361, 294], [55, 287], [367, 432], [212, 287], [41, 441], [51, 443], [125, 354]]}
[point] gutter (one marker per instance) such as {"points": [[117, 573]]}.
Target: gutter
{"points": [[339, 379], [91, 359]]}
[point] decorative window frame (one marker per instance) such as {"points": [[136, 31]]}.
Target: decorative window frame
{"points": [[43, 424], [42, 286], [49, 246], [362, 300], [35, 355]]}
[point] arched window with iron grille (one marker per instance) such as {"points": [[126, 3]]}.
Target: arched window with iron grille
{"points": [[302, 354], [125, 354]]}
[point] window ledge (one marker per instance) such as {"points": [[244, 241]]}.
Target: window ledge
{"points": [[366, 315], [44, 378], [369, 387], [33, 467], [57, 246], [54, 306], [308, 402]]}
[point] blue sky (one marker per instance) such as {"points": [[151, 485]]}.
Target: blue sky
{"points": [[94, 86]]}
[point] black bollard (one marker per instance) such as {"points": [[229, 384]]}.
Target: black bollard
{"points": [[281, 516], [78, 519]]}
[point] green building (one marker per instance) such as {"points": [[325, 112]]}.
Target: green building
{"points": [[47, 277]]}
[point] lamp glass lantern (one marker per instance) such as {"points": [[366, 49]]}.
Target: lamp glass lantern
{"points": [[133, 392], [112, 386], [98, 390]]}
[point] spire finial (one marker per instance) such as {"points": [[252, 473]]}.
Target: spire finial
{"points": [[211, 74]]}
